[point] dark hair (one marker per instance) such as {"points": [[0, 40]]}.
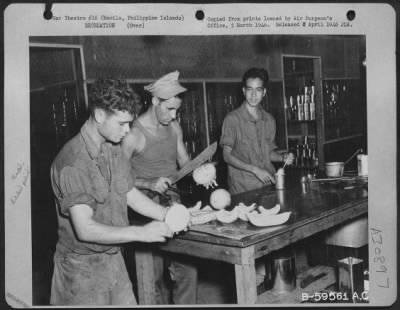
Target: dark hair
{"points": [[112, 95], [253, 73]]}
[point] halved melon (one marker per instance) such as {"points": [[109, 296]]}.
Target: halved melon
{"points": [[273, 210], [203, 217], [263, 220], [242, 210], [177, 217], [227, 217]]}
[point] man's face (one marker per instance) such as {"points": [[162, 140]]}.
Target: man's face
{"points": [[113, 127], [166, 110], [254, 91]]}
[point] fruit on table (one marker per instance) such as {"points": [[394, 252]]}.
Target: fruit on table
{"points": [[243, 210], [203, 217], [263, 220], [196, 207], [207, 208], [220, 199], [205, 174], [273, 210], [177, 217], [227, 217]]}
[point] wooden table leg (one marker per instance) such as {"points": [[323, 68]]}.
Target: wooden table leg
{"points": [[145, 276], [246, 287], [245, 275]]}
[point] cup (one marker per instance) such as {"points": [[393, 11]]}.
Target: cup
{"points": [[279, 180], [362, 165]]}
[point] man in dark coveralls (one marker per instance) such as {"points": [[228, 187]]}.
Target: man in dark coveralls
{"points": [[92, 184]]}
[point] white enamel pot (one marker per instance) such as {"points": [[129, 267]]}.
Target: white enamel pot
{"points": [[334, 169]]}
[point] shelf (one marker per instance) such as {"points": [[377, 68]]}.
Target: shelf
{"points": [[302, 122], [297, 136], [299, 73], [343, 138]]}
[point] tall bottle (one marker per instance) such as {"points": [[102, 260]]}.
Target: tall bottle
{"points": [[295, 115], [300, 107], [290, 108], [306, 103], [287, 112], [312, 107]]}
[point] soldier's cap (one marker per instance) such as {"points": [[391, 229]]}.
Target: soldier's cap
{"points": [[166, 86]]}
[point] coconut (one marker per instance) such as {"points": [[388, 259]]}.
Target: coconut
{"points": [[220, 199]]}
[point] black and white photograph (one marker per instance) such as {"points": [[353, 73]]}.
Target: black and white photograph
{"points": [[217, 165]]}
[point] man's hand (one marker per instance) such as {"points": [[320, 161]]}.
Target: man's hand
{"points": [[156, 231], [263, 175], [160, 185]]}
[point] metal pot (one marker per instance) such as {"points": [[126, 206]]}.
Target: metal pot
{"points": [[334, 169]]}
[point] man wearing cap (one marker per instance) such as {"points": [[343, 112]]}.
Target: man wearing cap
{"points": [[155, 148]]}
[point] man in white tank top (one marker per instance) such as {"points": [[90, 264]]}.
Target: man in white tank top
{"points": [[155, 148]]}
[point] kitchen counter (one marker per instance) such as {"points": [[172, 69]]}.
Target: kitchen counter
{"points": [[314, 206]]}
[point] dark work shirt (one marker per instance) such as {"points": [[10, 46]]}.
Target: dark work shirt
{"points": [[251, 141], [84, 174]]}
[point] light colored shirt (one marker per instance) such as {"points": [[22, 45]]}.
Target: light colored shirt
{"points": [[251, 141]]}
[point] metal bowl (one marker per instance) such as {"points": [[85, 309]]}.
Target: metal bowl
{"points": [[334, 169]]}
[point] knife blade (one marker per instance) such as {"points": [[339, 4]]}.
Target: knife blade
{"points": [[200, 159]]}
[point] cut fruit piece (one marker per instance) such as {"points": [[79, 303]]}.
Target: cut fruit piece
{"points": [[242, 210], [196, 207], [203, 217], [263, 220], [227, 217], [207, 208], [177, 217], [272, 211]]}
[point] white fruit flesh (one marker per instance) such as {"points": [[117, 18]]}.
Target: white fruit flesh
{"points": [[177, 217], [220, 199]]}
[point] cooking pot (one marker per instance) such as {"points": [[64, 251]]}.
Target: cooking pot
{"points": [[335, 169]]}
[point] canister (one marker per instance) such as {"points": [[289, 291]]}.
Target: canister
{"points": [[280, 179], [280, 272], [362, 164], [351, 276]]}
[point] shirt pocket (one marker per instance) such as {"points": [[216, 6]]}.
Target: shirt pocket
{"points": [[100, 187]]}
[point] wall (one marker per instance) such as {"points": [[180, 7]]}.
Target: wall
{"points": [[148, 57]]}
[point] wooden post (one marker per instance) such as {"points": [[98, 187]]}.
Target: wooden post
{"points": [[145, 276]]}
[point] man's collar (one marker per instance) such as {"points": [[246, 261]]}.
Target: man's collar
{"points": [[87, 136], [246, 114]]}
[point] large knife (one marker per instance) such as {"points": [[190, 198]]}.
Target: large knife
{"points": [[200, 159]]}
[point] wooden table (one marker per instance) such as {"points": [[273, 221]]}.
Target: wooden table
{"points": [[315, 208]]}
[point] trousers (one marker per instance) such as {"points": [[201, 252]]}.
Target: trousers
{"points": [[93, 279], [183, 279]]}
